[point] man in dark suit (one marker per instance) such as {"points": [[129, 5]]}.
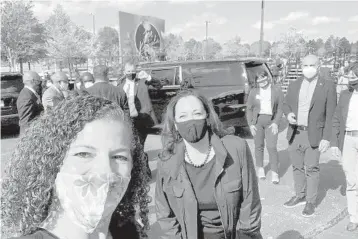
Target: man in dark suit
{"points": [[29, 101], [56, 92], [137, 101], [102, 88], [264, 112], [345, 141], [309, 106]]}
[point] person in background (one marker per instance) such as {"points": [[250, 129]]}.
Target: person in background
{"points": [[55, 93], [342, 83], [28, 103], [102, 88], [137, 102], [85, 180], [345, 142], [309, 107], [264, 113], [87, 79], [46, 82], [206, 183], [79, 84]]}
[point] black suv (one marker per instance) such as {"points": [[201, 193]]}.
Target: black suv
{"points": [[225, 82], [11, 85]]}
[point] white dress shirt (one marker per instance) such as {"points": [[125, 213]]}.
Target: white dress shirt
{"points": [[129, 89], [304, 101], [352, 117], [265, 101]]}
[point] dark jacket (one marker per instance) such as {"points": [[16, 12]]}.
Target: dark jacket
{"points": [[339, 119], [322, 108], [253, 105], [236, 192], [142, 102], [106, 91], [28, 107]]}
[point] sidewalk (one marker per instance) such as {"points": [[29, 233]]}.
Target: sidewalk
{"points": [[277, 221]]}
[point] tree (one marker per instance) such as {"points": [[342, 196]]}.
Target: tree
{"points": [[332, 45], [193, 50], [311, 47], [66, 41], [212, 49], [22, 36], [107, 45], [234, 48], [294, 43], [344, 46], [278, 48], [173, 47], [255, 48]]}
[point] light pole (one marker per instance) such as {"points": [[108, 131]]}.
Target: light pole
{"points": [[262, 27], [206, 39]]}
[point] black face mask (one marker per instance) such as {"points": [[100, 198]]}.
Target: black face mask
{"points": [[131, 76], [193, 130], [353, 84]]}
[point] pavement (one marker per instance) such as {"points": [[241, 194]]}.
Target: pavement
{"points": [[277, 222]]}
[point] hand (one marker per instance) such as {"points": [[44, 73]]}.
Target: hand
{"points": [[336, 152], [274, 128], [323, 146], [291, 117], [253, 130]]}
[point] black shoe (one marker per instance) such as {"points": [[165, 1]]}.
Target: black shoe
{"points": [[294, 202], [352, 226], [309, 210]]}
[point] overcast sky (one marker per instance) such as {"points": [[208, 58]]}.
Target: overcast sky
{"points": [[227, 18]]}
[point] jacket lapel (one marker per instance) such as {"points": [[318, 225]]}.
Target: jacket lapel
{"points": [[318, 90]]}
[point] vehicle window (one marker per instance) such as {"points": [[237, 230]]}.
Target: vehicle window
{"points": [[11, 85], [165, 76], [216, 73]]}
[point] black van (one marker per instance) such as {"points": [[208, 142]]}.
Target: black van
{"points": [[226, 82]]}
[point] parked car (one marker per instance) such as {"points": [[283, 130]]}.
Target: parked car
{"points": [[11, 85], [225, 82]]}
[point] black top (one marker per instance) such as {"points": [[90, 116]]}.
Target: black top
{"points": [[107, 91], [203, 182]]}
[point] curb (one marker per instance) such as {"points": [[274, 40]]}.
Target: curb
{"points": [[315, 232]]}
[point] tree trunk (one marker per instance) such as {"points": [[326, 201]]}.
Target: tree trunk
{"points": [[21, 67], [29, 64]]}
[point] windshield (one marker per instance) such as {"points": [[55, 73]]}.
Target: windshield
{"points": [[11, 85]]}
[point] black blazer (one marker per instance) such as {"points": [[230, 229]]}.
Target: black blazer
{"points": [[340, 119], [28, 107], [322, 108], [254, 106]]}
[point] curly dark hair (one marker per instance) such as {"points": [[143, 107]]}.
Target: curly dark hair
{"points": [[170, 136], [28, 187]]}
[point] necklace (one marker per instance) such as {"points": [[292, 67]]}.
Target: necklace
{"points": [[205, 161]]}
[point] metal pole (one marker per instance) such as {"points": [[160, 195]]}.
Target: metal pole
{"points": [[206, 41], [94, 26], [262, 28]]}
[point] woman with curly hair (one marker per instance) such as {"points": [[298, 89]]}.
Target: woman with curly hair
{"points": [[77, 173], [206, 185]]}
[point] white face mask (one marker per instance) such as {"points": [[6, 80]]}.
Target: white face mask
{"points": [[48, 84], [78, 85], [90, 199], [63, 86], [88, 84], [309, 72]]}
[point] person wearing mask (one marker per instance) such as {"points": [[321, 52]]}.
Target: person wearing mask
{"points": [[309, 107], [28, 103], [55, 93], [85, 180], [102, 88], [206, 183], [264, 112], [87, 79], [137, 101], [345, 142]]}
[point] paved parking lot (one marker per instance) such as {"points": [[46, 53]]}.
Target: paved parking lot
{"points": [[277, 222]]}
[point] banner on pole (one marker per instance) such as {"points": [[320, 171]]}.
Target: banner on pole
{"points": [[140, 36]]}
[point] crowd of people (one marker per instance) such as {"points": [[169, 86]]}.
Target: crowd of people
{"points": [[80, 170]]}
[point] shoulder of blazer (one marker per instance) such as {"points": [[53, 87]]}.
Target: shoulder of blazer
{"points": [[236, 143]]}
